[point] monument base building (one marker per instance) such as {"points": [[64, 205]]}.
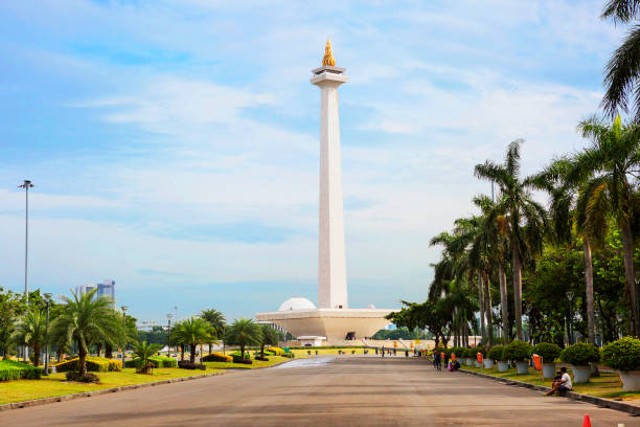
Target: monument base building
{"points": [[320, 326]]}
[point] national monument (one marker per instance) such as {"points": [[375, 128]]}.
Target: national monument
{"points": [[332, 320]]}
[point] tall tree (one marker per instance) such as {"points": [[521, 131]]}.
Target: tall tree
{"points": [[524, 221], [622, 73], [217, 321], [32, 332], [192, 332], [85, 320], [243, 333], [611, 162]]}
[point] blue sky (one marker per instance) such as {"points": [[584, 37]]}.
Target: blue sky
{"points": [[174, 145]]}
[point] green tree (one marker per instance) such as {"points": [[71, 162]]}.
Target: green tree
{"points": [[217, 321], [85, 320], [269, 337], [11, 307], [622, 73], [524, 221], [142, 353], [192, 332], [32, 332], [243, 333], [611, 163]]}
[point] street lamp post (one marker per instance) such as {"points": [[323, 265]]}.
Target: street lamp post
{"points": [[26, 185], [570, 295], [124, 331], [169, 315], [47, 298]]}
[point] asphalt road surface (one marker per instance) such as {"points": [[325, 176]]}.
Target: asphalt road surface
{"points": [[347, 391]]}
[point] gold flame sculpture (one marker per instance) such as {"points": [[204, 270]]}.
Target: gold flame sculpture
{"points": [[328, 60]]}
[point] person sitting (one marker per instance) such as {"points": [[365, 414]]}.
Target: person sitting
{"points": [[561, 383]]}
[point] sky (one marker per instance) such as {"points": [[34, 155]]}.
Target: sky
{"points": [[174, 145]]}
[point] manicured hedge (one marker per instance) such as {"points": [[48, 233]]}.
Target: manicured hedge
{"points": [[94, 364], [11, 370], [548, 351], [623, 354], [217, 357], [275, 351], [157, 361], [185, 364], [580, 354]]}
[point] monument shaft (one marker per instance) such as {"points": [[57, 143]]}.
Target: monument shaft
{"points": [[332, 271]]}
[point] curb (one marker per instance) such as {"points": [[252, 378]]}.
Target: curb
{"points": [[598, 401], [48, 400]]}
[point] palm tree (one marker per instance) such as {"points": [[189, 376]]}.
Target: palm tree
{"points": [[142, 353], [32, 331], [269, 337], [611, 163], [244, 332], [524, 220], [192, 332], [572, 204], [85, 320], [217, 321], [622, 78]]}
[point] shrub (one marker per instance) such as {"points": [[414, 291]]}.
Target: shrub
{"points": [[13, 370], [277, 351], [623, 354], [517, 350], [548, 351], [263, 359], [580, 354], [497, 353], [238, 359], [156, 361], [217, 357], [94, 364], [86, 378], [289, 355], [185, 364]]}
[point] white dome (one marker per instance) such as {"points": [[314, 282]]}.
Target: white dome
{"points": [[296, 303]]}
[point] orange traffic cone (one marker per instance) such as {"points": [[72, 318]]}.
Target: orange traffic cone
{"points": [[586, 422]]}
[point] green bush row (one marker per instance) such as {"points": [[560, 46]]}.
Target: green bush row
{"points": [[11, 370], [94, 364], [157, 361]]}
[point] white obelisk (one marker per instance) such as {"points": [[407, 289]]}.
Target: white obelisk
{"points": [[332, 269]]}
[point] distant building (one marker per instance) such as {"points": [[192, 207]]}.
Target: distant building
{"points": [[106, 289]]}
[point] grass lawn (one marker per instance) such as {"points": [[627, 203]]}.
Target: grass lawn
{"points": [[607, 385], [55, 385]]}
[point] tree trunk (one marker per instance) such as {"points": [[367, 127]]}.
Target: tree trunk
{"points": [[192, 354], [481, 304], [517, 289], [504, 304], [108, 351], [98, 349], [181, 352], [629, 275], [36, 355], [82, 361], [588, 279], [489, 311]]}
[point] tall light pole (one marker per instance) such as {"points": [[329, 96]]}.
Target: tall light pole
{"points": [[570, 295], [26, 185], [169, 315], [124, 331], [47, 299]]}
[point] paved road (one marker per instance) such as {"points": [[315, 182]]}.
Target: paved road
{"points": [[348, 391]]}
